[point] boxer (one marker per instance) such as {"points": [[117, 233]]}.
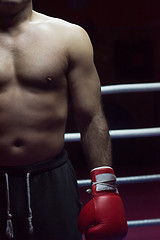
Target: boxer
{"points": [[43, 61]]}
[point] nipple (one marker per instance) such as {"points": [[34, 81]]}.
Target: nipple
{"points": [[49, 80]]}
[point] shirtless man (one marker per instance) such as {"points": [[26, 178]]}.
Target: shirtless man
{"points": [[43, 60]]}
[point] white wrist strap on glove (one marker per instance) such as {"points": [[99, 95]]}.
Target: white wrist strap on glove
{"points": [[105, 181]]}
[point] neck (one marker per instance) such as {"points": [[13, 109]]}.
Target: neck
{"points": [[15, 15]]}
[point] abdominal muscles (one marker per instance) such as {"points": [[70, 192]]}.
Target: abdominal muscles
{"points": [[31, 128]]}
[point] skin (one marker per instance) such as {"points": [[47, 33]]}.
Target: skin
{"points": [[43, 61]]}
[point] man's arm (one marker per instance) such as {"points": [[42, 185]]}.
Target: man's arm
{"points": [[85, 92], [103, 217]]}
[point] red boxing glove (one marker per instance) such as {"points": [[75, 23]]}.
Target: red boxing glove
{"points": [[103, 217]]}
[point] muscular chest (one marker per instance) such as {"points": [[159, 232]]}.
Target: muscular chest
{"points": [[33, 60]]}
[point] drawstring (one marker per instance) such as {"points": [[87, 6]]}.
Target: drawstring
{"points": [[29, 204], [9, 227]]}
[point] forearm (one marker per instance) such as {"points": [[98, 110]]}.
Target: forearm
{"points": [[96, 142]]}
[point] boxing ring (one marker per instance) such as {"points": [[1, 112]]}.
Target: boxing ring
{"points": [[128, 133]]}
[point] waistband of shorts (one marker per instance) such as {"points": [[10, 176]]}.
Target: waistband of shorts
{"points": [[37, 167]]}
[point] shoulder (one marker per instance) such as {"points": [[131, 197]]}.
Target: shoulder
{"points": [[69, 29], [74, 37], [54, 22]]}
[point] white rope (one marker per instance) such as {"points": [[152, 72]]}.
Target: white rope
{"points": [[145, 222], [135, 133], [125, 180], [126, 133], [139, 179], [128, 88], [72, 137]]}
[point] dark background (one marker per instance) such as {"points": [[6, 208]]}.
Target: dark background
{"points": [[126, 39]]}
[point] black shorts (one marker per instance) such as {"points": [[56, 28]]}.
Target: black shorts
{"points": [[41, 200]]}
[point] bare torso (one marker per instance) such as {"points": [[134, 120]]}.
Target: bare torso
{"points": [[33, 92]]}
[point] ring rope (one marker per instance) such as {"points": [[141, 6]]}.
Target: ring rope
{"points": [[145, 222], [128, 88], [138, 179], [125, 180], [114, 134]]}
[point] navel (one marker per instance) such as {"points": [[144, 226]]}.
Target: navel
{"points": [[18, 143]]}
